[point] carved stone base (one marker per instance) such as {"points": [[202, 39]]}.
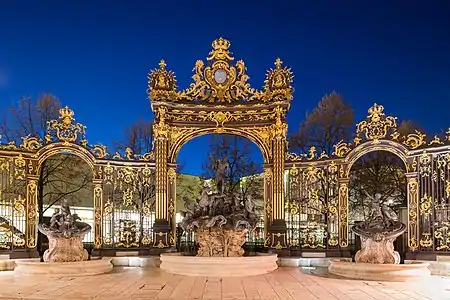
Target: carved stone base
{"points": [[220, 242], [377, 252], [78, 268], [379, 272], [65, 249], [176, 263]]}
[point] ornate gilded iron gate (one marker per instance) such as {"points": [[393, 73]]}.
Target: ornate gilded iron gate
{"points": [[312, 207], [221, 100], [123, 188], [432, 208], [134, 196], [314, 177], [128, 205], [13, 203]]}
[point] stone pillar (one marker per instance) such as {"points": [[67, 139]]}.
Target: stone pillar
{"points": [[277, 229], [413, 211], [343, 213]]}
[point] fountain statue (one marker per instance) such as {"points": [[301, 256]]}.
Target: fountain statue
{"points": [[378, 234], [220, 220], [65, 255], [377, 259], [65, 235]]}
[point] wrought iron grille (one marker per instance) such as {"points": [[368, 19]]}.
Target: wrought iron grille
{"points": [[12, 203], [129, 206], [433, 206], [311, 207]]}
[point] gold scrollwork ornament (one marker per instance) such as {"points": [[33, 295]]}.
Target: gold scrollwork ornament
{"points": [[377, 124], [65, 129], [221, 81]]}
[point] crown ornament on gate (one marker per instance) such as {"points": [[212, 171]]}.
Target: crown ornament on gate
{"points": [[377, 125], [64, 129], [221, 81], [66, 116]]}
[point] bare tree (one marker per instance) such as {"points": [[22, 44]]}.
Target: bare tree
{"points": [[137, 137], [61, 176], [378, 172], [244, 174], [331, 121], [407, 127], [29, 117], [67, 177]]}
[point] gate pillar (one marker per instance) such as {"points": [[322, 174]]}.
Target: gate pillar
{"points": [[161, 227], [343, 212], [413, 211], [277, 229], [31, 230]]}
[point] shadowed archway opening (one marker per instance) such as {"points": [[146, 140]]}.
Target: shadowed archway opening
{"points": [[65, 176], [196, 161], [377, 172]]}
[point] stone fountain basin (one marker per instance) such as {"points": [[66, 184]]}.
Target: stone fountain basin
{"points": [[176, 263], [379, 272], [77, 268]]}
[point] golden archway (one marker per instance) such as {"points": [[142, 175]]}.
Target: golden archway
{"points": [[221, 100], [256, 139], [63, 147], [381, 145]]}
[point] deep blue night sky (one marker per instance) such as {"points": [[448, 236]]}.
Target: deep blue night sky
{"points": [[95, 55]]}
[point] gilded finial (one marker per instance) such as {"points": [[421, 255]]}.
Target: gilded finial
{"points": [[162, 64], [375, 112], [220, 50], [378, 109], [278, 63], [221, 44], [66, 112]]}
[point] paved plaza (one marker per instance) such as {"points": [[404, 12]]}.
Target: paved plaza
{"points": [[152, 283]]}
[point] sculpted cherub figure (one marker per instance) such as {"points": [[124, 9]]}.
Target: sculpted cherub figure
{"points": [[55, 220]]}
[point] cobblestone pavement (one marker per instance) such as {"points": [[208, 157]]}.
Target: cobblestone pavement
{"points": [[152, 283]]}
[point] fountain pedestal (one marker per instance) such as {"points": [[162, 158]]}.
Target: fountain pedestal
{"points": [[66, 255], [377, 259], [220, 242], [377, 250], [63, 249], [236, 266], [379, 272]]}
